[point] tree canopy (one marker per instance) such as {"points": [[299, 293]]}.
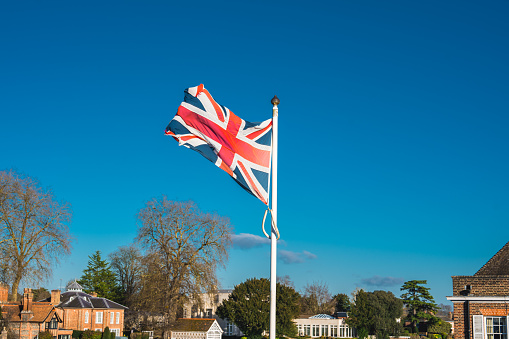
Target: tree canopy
{"points": [[183, 247], [341, 303], [34, 230], [40, 293], [99, 278], [375, 313], [419, 302], [316, 299], [126, 264], [249, 304]]}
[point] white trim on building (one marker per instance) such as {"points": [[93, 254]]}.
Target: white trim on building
{"points": [[320, 326]]}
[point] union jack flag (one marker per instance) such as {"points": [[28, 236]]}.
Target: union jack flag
{"points": [[241, 148]]}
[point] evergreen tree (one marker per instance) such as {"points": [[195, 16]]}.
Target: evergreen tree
{"points": [[40, 294], [419, 302], [342, 303], [248, 308], [376, 313], [106, 333], [99, 278]]}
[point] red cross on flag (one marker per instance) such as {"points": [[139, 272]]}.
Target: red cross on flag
{"points": [[240, 148]]}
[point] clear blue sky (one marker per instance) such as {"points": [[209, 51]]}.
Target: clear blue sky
{"points": [[393, 127]]}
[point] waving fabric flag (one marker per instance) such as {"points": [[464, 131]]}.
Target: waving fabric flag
{"points": [[240, 148]]}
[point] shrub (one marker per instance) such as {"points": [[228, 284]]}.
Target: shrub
{"points": [[362, 333], [106, 333], [89, 334], [45, 335]]}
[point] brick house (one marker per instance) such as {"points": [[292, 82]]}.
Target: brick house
{"points": [[481, 301], [26, 319], [82, 311]]}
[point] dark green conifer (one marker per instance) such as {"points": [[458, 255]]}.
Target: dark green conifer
{"points": [[99, 278], [419, 302]]}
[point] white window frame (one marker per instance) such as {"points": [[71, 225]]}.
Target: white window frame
{"points": [[315, 330], [116, 330], [112, 317], [118, 318], [502, 326], [334, 331], [324, 331], [99, 317], [86, 317], [229, 328], [307, 330]]}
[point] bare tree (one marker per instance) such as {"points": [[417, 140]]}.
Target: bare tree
{"points": [[34, 229], [126, 264], [285, 280], [317, 299], [184, 247]]}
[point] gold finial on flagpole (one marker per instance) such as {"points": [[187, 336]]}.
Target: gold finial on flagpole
{"points": [[275, 100]]}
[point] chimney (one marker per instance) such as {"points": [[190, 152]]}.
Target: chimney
{"points": [[4, 293], [26, 313], [27, 299], [55, 297]]}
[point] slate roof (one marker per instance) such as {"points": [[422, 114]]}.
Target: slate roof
{"points": [[74, 286], [498, 264], [77, 299], [192, 325]]}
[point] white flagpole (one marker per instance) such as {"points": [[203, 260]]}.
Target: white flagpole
{"points": [[273, 234]]}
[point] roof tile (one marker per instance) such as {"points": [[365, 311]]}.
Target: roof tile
{"points": [[498, 264]]}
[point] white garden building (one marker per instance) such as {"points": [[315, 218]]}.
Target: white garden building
{"points": [[196, 329], [323, 325]]}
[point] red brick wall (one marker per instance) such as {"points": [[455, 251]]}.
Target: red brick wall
{"points": [[474, 308], [481, 285], [75, 319], [4, 293]]}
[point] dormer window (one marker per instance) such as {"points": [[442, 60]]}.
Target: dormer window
{"points": [[52, 324]]}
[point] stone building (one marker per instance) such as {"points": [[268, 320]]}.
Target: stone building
{"points": [[481, 301], [206, 307]]}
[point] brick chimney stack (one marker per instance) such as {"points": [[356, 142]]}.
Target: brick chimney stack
{"points": [[55, 297], [27, 299], [26, 313], [4, 293]]}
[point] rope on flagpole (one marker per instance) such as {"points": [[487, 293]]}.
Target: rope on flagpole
{"points": [[274, 227]]}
